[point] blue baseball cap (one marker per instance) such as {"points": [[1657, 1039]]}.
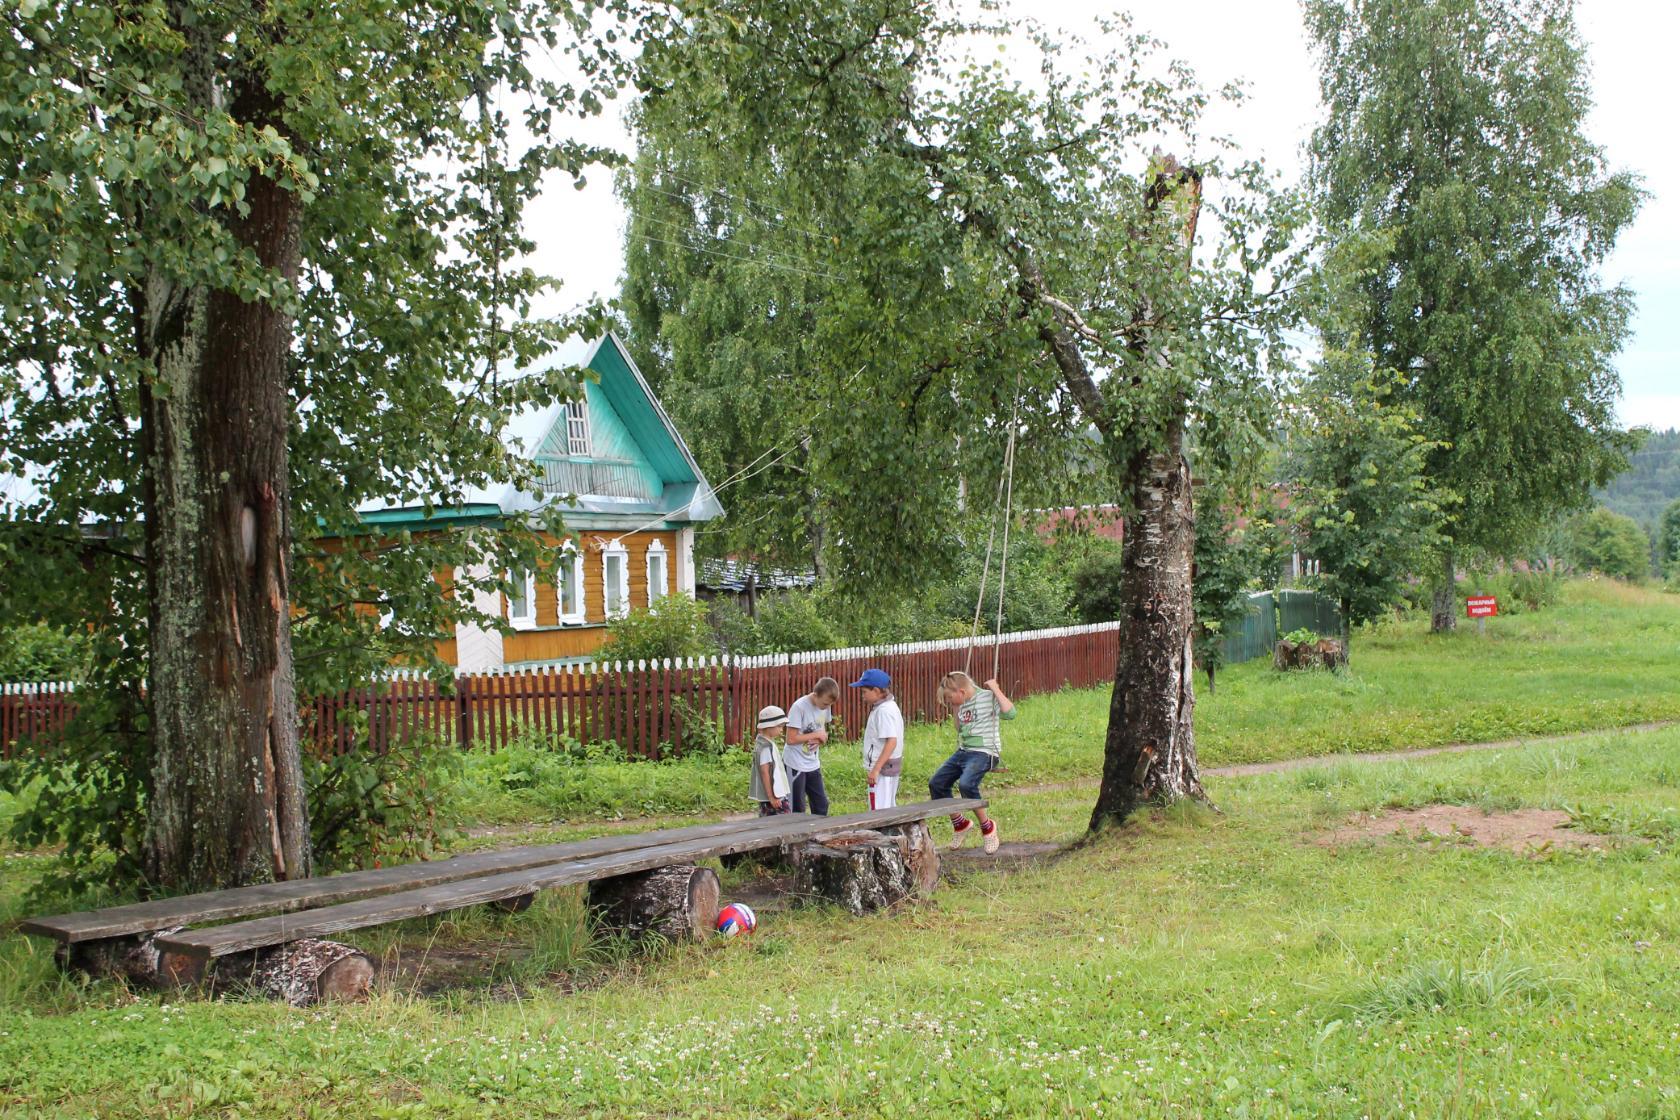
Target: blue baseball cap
{"points": [[873, 678]]}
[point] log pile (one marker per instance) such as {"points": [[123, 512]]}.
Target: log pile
{"points": [[866, 870], [676, 903], [1323, 653]]}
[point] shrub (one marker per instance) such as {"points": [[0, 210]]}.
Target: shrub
{"points": [[1607, 542], [370, 807], [1096, 588], [41, 653], [795, 621], [676, 626], [733, 629]]}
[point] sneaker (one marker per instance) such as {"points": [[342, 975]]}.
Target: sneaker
{"points": [[960, 829], [989, 831]]}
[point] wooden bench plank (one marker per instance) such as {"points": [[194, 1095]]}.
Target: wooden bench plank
{"points": [[770, 831], [304, 894]]}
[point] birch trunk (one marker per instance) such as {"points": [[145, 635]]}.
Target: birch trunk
{"points": [[1443, 607], [227, 802], [1150, 753]]}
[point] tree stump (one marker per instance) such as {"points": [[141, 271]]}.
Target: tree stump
{"points": [[861, 871], [677, 903], [1322, 653], [135, 959], [302, 972], [920, 852]]}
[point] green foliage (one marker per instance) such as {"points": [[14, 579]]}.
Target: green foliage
{"points": [[676, 626], [1363, 503], [1517, 589], [1096, 587], [891, 235], [1606, 542], [42, 653], [1231, 559], [370, 808], [1668, 541], [793, 621], [1301, 636], [1454, 149]]}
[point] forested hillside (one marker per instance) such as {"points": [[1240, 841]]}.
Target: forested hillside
{"points": [[1651, 481]]}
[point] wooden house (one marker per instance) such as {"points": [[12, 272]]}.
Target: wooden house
{"points": [[631, 496]]}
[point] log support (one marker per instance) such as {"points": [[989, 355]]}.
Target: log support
{"points": [[858, 871], [302, 972], [676, 903]]}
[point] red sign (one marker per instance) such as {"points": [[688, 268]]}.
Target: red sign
{"points": [[1481, 607]]}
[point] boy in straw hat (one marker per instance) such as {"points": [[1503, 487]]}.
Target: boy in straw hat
{"points": [[769, 779]]}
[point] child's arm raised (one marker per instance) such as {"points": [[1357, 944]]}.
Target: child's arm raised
{"points": [[1006, 706]]}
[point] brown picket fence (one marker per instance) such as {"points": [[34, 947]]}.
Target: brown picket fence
{"points": [[649, 709]]}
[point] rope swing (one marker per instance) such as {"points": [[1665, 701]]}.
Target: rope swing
{"points": [[1005, 499]]}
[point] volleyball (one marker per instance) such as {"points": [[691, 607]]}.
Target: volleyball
{"points": [[735, 918]]}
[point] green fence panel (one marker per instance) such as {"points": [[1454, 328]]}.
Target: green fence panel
{"points": [[1258, 633], [1273, 614]]}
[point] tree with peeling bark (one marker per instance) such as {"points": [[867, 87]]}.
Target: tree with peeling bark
{"points": [[257, 268], [1454, 131], [989, 239]]}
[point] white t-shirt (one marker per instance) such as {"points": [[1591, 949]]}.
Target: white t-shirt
{"points": [[805, 717], [885, 722]]}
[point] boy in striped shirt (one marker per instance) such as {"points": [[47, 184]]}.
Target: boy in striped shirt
{"points": [[979, 745]]}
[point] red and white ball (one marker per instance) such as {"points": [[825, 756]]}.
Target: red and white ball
{"points": [[736, 918]]}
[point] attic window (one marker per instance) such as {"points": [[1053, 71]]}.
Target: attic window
{"points": [[577, 428]]}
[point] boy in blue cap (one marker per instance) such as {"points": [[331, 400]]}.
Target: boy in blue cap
{"points": [[883, 738]]}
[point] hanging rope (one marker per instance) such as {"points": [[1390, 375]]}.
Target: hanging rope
{"points": [[1005, 498]]}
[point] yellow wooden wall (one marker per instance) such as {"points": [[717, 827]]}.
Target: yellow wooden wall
{"points": [[551, 641]]}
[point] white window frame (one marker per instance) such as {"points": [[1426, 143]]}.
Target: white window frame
{"points": [[656, 592], [578, 441], [615, 548], [571, 565], [525, 621]]}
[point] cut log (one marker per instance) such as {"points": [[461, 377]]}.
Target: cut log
{"points": [[134, 958], [302, 972], [860, 871], [676, 903], [920, 852]]}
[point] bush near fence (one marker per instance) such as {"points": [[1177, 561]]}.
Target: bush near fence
{"points": [[645, 706]]}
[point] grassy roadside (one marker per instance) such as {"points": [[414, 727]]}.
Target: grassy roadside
{"points": [[1603, 657], [1191, 964]]}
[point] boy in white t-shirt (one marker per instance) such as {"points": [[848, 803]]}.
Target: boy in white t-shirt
{"points": [[807, 733], [883, 738]]}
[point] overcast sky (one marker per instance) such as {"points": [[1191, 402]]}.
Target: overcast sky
{"points": [[580, 233]]}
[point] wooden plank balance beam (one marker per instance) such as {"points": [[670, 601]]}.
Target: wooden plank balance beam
{"points": [[304, 894], [659, 849]]}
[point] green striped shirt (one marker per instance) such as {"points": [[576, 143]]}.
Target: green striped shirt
{"points": [[977, 723]]}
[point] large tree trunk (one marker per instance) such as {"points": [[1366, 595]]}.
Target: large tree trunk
{"points": [[227, 802], [1443, 606], [1150, 754]]}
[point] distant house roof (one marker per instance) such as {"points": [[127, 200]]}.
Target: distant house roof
{"points": [[636, 471], [734, 575]]}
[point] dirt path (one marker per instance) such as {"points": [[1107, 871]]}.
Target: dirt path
{"points": [[1246, 769]]}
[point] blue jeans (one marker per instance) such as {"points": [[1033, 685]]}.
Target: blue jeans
{"points": [[963, 769]]}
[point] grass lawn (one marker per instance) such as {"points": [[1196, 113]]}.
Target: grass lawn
{"points": [[1191, 964], [1607, 655]]}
